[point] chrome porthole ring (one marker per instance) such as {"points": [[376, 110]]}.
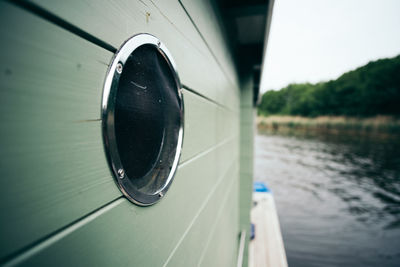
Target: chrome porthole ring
{"points": [[142, 119]]}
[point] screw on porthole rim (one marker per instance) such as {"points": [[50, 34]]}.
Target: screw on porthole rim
{"points": [[119, 68], [121, 173]]}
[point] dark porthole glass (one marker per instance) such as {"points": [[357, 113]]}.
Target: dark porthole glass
{"points": [[143, 119]]}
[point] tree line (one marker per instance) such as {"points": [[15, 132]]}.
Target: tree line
{"points": [[366, 91]]}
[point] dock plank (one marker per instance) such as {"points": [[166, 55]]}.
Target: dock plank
{"points": [[266, 249]]}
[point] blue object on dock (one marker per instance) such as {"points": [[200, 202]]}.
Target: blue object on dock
{"points": [[260, 187]]}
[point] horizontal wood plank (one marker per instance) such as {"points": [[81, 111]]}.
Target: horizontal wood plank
{"points": [[126, 234], [206, 16], [52, 161], [224, 231], [51, 158], [200, 125], [206, 124], [115, 22], [202, 232]]}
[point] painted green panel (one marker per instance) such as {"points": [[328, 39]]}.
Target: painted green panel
{"points": [[206, 125], [246, 140], [123, 234], [114, 22], [246, 158], [205, 14], [218, 253], [52, 164], [51, 140], [247, 164], [192, 250], [227, 122], [200, 125]]}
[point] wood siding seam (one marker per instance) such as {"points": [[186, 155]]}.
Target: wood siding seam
{"points": [[41, 257], [218, 85], [64, 185], [44, 14], [205, 152], [214, 226], [204, 204], [208, 46], [176, 28], [187, 88], [26, 252], [57, 165]]}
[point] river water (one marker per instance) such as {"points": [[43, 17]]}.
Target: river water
{"points": [[338, 197]]}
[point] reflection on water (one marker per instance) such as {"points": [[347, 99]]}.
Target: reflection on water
{"points": [[338, 197]]}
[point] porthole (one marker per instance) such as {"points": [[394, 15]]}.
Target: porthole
{"points": [[142, 119]]}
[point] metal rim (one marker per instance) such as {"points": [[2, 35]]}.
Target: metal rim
{"points": [[108, 111]]}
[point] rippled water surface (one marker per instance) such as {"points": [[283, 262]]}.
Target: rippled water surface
{"points": [[338, 197]]}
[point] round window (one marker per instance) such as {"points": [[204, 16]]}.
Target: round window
{"points": [[142, 118]]}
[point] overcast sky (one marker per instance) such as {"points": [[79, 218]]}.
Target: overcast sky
{"points": [[318, 40]]}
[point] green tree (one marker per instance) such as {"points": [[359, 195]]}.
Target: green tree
{"points": [[369, 90]]}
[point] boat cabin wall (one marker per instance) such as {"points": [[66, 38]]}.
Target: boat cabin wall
{"points": [[59, 201]]}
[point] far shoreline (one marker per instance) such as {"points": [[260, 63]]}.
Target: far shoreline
{"points": [[376, 125]]}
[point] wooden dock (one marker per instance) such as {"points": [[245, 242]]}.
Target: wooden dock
{"points": [[266, 249]]}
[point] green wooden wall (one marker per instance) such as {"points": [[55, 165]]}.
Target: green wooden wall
{"points": [[247, 131], [59, 203]]}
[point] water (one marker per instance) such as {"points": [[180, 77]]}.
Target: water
{"points": [[338, 197]]}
